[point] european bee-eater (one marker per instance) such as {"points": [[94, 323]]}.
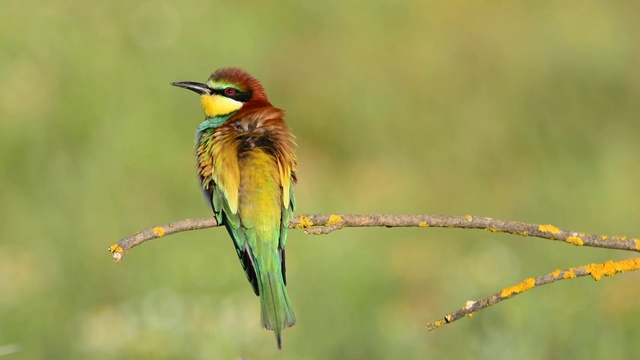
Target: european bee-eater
{"points": [[247, 169]]}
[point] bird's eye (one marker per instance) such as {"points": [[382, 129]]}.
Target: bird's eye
{"points": [[229, 91]]}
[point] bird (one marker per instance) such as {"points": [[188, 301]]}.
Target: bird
{"points": [[246, 163]]}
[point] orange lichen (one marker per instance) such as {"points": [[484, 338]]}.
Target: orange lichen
{"points": [[598, 270], [637, 244], [493, 230], [469, 314], [528, 284], [549, 228], [423, 224], [604, 237], [334, 219], [115, 248], [575, 240], [556, 273], [158, 231], [610, 268], [628, 265], [305, 222], [468, 217], [569, 274]]}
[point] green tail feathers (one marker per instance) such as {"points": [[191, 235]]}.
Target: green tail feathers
{"points": [[276, 312]]}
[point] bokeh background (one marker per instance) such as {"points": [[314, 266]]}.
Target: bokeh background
{"points": [[518, 110]]}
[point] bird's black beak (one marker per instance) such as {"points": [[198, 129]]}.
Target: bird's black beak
{"points": [[200, 88]]}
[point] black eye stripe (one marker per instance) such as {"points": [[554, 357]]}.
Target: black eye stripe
{"points": [[239, 95]]}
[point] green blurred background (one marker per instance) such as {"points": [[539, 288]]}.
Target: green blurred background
{"points": [[518, 110]]}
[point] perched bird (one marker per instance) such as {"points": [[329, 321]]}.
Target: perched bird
{"points": [[247, 168]]}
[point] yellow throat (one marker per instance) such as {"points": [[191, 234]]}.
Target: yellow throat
{"points": [[216, 105]]}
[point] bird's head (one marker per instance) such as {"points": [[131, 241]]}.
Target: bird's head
{"points": [[227, 91]]}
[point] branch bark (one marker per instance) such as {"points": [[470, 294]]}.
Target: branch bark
{"points": [[326, 223]]}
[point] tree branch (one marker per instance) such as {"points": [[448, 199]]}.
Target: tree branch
{"points": [[608, 268], [325, 223]]}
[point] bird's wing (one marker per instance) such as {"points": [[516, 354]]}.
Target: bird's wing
{"points": [[287, 214], [287, 166], [219, 174], [218, 170]]}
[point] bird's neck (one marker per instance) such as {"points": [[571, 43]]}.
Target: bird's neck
{"points": [[214, 122]]}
